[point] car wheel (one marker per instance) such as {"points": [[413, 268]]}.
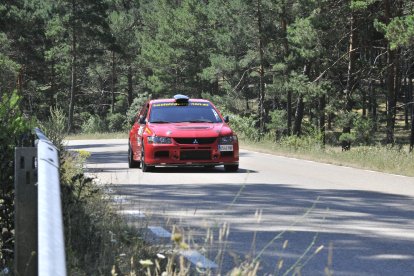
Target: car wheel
{"points": [[144, 167], [231, 168], [131, 162]]}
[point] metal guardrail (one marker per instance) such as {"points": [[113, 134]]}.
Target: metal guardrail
{"points": [[38, 218]]}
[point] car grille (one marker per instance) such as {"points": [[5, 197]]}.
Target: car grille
{"points": [[161, 154], [195, 155], [226, 154], [199, 141]]}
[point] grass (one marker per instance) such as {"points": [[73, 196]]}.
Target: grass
{"points": [[98, 241], [92, 136], [396, 160]]}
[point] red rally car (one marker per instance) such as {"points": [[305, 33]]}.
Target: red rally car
{"points": [[182, 132]]}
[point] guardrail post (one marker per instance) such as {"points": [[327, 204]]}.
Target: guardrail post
{"points": [[25, 249]]}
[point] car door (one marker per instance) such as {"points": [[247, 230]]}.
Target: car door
{"points": [[137, 130]]}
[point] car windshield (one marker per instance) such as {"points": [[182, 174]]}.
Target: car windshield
{"points": [[171, 112]]}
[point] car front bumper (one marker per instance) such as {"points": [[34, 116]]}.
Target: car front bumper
{"points": [[189, 155]]}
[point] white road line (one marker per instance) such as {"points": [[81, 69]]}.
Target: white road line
{"points": [[198, 260], [192, 255], [159, 231]]}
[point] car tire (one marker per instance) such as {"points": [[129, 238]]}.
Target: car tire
{"points": [[131, 162], [144, 167], [231, 168]]}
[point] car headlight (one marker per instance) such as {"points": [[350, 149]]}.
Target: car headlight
{"points": [[227, 140], [158, 140]]}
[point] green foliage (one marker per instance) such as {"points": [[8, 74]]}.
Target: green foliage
{"points": [[14, 131], [364, 130], [400, 31], [305, 39], [301, 143], [55, 127], [116, 122], [346, 119], [245, 126], [8, 68], [95, 236], [347, 137], [278, 121], [94, 124], [362, 4]]}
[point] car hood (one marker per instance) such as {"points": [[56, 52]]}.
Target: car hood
{"points": [[193, 130]]}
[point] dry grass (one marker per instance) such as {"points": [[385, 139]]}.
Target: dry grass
{"points": [[396, 160], [93, 136]]}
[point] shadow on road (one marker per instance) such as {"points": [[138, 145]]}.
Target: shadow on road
{"points": [[370, 233], [118, 157]]}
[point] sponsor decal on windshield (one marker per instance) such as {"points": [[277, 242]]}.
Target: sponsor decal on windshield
{"points": [[179, 104], [216, 115]]}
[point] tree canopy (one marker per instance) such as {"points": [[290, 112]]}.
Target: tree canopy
{"points": [[323, 64]]}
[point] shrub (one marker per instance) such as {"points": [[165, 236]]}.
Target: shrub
{"points": [[14, 129], [278, 122], [347, 137], [346, 119], [364, 130], [245, 126], [94, 124], [55, 127], [95, 236], [116, 122], [307, 142]]}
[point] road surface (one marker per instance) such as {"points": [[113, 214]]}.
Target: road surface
{"points": [[292, 215]]}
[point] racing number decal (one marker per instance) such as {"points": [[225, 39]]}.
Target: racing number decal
{"points": [[140, 130]]}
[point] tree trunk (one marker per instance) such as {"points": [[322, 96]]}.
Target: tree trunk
{"points": [[411, 94], [73, 70], [130, 97], [364, 103], [113, 83], [372, 103], [412, 110], [412, 130], [330, 119], [322, 105], [52, 102], [391, 95], [350, 82], [300, 107], [262, 112], [283, 25], [407, 103], [297, 127], [391, 80]]}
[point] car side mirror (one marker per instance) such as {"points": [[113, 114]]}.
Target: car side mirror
{"points": [[226, 119], [142, 120]]}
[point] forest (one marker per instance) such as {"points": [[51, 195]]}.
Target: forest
{"points": [[289, 67], [340, 71]]}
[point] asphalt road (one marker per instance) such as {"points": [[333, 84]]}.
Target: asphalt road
{"points": [[278, 210]]}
